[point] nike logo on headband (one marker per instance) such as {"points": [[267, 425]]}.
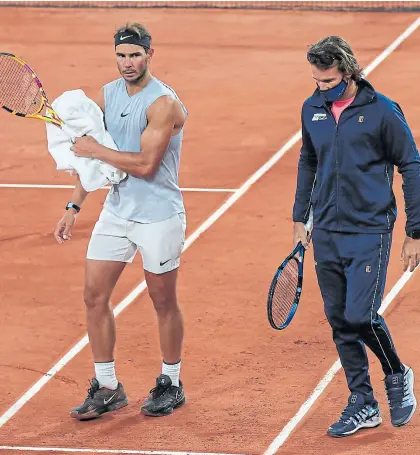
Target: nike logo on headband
{"points": [[122, 38]]}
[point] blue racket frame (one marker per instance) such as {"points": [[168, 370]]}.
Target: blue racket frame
{"points": [[300, 249]]}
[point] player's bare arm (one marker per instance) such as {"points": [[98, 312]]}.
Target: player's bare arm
{"points": [[165, 118], [100, 99], [64, 226]]}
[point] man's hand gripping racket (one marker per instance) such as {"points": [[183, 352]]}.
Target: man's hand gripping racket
{"points": [[286, 286]]}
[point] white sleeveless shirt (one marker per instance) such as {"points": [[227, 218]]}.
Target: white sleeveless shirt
{"points": [[145, 200]]}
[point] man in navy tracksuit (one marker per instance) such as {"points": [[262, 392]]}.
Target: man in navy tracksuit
{"points": [[352, 138]]}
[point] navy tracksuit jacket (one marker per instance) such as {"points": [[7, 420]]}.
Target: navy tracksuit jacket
{"points": [[346, 173]]}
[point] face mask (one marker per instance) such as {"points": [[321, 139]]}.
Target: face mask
{"points": [[335, 93]]}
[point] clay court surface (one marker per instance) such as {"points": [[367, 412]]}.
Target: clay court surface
{"points": [[243, 77]]}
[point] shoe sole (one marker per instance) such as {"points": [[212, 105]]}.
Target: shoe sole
{"points": [[164, 412], [414, 401], [94, 413], [372, 424]]}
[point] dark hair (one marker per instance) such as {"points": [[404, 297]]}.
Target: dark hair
{"points": [[331, 51], [135, 28]]}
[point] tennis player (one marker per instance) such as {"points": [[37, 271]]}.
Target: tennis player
{"points": [[353, 137], [144, 213]]}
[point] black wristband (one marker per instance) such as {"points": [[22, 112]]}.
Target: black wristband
{"points": [[71, 205], [414, 234]]}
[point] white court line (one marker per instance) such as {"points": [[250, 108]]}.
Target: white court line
{"points": [[40, 186], [135, 452], [30, 393], [291, 425]]}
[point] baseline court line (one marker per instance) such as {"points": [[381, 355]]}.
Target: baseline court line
{"points": [[113, 451], [40, 186]]}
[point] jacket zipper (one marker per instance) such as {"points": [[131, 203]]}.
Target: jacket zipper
{"points": [[390, 188], [336, 159]]}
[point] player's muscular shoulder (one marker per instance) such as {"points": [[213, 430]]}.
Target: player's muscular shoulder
{"points": [[167, 107], [179, 114]]}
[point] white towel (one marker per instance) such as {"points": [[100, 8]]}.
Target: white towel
{"points": [[83, 116]]}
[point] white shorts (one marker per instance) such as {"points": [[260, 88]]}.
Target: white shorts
{"points": [[160, 244]]}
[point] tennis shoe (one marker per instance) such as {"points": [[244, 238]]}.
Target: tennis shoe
{"points": [[163, 398], [100, 400], [400, 391], [356, 415]]}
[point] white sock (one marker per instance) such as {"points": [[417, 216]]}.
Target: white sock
{"points": [[105, 374], [172, 370]]}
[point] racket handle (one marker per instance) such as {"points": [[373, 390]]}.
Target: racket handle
{"points": [[70, 133]]}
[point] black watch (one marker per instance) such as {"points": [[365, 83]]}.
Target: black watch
{"points": [[414, 234], [71, 205]]}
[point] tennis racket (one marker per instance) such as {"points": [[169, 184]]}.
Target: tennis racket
{"points": [[285, 290], [22, 94]]}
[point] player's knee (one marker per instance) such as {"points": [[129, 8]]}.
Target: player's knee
{"points": [[95, 299], [356, 318], [162, 301]]}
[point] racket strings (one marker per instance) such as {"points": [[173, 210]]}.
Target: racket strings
{"points": [[19, 91], [285, 292]]}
